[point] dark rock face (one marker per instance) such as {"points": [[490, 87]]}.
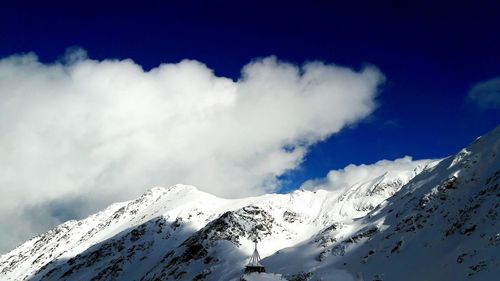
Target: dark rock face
{"points": [[249, 222]]}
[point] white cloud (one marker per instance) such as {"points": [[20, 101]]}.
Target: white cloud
{"points": [[486, 94], [402, 168], [102, 131]]}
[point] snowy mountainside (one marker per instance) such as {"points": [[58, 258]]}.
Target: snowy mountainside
{"points": [[181, 233], [72, 238], [356, 200], [442, 225]]}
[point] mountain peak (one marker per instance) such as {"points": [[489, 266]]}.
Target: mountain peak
{"points": [[158, 191], [377, 225]]}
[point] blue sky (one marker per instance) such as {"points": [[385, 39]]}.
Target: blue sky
{"points": [[432, 54]]}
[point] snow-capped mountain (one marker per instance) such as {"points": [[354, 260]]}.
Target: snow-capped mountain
{"points": [[182, 233], [442, 225]]}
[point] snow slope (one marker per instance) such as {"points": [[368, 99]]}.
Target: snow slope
{"points": [[135, 239], [442, 225], [430, 221]]}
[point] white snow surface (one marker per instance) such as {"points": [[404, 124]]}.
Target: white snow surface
{"points": [[442, 225], [439, 222], [262, 277]]}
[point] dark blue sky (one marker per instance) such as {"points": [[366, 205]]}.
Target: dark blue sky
{"points": [[431, 53]]}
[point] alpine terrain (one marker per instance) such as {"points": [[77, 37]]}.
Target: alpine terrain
{"points": [[435, 221]]}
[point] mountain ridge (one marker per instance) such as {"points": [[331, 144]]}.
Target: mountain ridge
{"points": [[182, 233], [442, 225]]}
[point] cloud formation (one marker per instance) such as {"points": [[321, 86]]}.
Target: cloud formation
{"points": [[338, 180], [486, 94], [94, 132]]}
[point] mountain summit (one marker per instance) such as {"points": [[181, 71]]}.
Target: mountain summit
{"points": [[439, 223]]}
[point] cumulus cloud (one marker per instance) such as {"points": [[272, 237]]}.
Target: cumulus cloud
{"points": [[94, 132], [486, 94], [338, 180]]}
